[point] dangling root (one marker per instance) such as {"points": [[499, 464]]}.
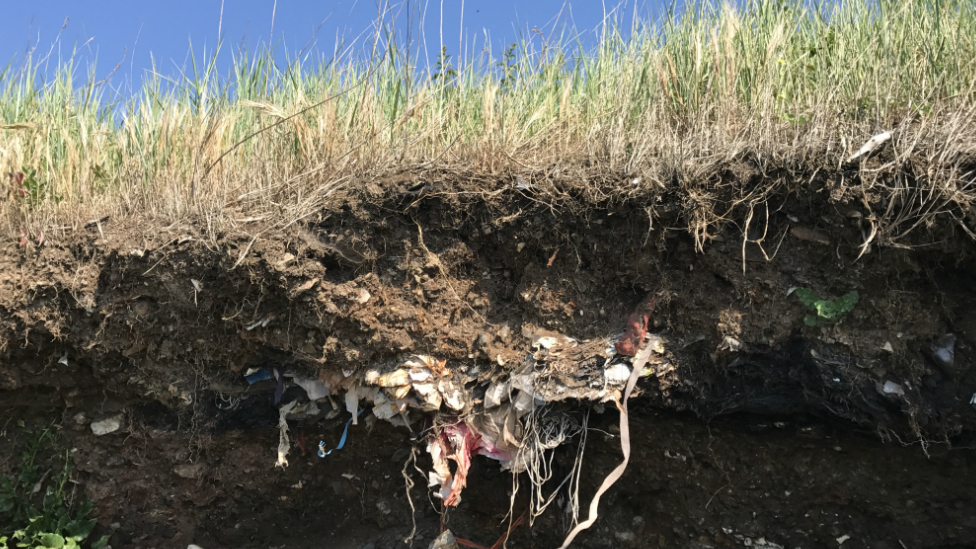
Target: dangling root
{"points": [[408, 485], [544, 431], [502, 540]]}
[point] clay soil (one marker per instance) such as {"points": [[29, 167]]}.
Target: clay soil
{"points": [[762, 431]]}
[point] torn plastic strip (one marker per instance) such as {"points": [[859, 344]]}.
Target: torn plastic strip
{"points": [[342, 439]]}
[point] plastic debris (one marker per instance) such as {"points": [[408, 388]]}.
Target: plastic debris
{"points": [[500, 433], [254, 375], [280, 388], [871, 145], [455, 442], [283, 441], [396, 378], [106, 426], [496, 394], [342, 440], [399, 393], [438, 367], [491, 435], [313, 388], [524, 403], [431, 396], [420, 374], [635, 329], [352, 405], [384, 409], [312, 409], [656, 343], [64, 359], [944, 349], [618, 472], [842, 539], [617, 374], [452, 393], [892, 388], [441, 475], [423, 374], [887, 347]]}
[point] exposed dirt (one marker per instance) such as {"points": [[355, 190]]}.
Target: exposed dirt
{"points": [[758, 426]]}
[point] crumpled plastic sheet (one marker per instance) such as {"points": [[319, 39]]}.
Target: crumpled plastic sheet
{"points": [[493, 429], [314, 388], [455, 442], [460, 441]]}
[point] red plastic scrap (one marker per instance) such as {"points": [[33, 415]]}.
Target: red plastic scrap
{"points": [[636, 329], [464, 441], [458, 442]]}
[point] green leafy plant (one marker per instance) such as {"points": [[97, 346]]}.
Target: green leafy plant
{"points": [[827, 311], [43, 478], [444, 72]]}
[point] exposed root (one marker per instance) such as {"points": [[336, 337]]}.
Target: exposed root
{"points": [[544, 431], [502, 541], [408, 485], [759, 242]]}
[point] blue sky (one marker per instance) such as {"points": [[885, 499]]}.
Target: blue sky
{"points": [[136, 32]]}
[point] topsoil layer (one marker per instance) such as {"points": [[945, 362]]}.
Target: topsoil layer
{"points": [[760, 427]]}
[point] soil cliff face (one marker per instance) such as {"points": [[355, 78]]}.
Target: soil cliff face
{"points": [[762, 419]]}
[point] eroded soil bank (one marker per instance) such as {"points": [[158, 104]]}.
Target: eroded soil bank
{"points": [[752, 425]]}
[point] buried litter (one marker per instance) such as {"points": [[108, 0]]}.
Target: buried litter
{"points": [[342, 440], [514, 417]]}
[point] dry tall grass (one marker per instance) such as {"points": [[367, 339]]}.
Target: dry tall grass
{"points": [[782, 84]]}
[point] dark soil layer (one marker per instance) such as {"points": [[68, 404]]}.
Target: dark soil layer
{"points": [[763, 427]]}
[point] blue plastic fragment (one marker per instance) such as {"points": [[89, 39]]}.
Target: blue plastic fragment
{"points": [[259, 375], [342, 439]]}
